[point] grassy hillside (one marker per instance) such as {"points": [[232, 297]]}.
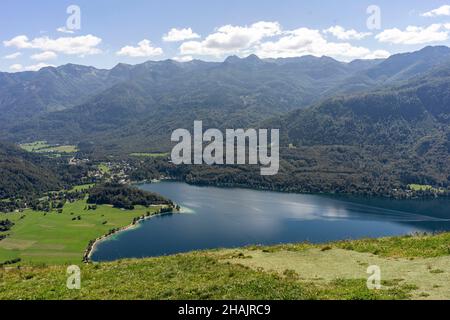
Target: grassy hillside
{"points": [[412, 268], [23, 173]]}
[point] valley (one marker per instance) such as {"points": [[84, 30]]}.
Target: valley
{"points": [[364, 155]]}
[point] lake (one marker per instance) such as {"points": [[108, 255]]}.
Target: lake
{"points": [[227, 218]]}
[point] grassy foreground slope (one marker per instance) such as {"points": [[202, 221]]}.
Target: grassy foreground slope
{"points": [[412, 267]]}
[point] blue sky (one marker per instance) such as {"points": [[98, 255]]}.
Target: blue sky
{"points": [[134, 31]]}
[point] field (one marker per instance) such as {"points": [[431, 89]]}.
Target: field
{"points": [[44, 148], [82, 187], [149, 155], [52, 238], [412, 268], [420, 187]]}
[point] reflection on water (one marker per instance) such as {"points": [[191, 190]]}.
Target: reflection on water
{"points": [[216, 218]]}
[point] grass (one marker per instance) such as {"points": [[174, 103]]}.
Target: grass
{"points": [[412, 267], [190, 276], [52, 238], [422, 187], [82, 187], [149, 155], [323, 267], [34, 146], [44, 147], [419, 246], [104, 168]]}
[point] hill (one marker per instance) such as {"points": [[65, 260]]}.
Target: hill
{"points": [[412, 268], [23, 173]]}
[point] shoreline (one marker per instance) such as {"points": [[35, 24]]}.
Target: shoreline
{"points": [[136, 221]]}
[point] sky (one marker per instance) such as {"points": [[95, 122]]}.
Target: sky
{"points": [[102, 33]]}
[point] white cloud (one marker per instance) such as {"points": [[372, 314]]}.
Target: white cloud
{"points": [[144, 49], [21, 42], [414, 35], [304, 41], [175, 35], [441, 11], [231, 39], [44, 56], [65, 30], [13, 56], [81, 45], [16, 67], [268, 40], [183, 58], [36, 67], [342, 34]]}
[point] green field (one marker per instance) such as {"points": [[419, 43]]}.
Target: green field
{"points": [[82, 187], [412, 268], [149, 155], [58, 239], [45, 148], [420, 187]]}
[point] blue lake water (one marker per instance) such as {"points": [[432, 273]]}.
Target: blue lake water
{"points": [[226, 218]]}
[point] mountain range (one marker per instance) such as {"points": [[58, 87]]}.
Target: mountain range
{"points": [[392, 116], [134, 108]]}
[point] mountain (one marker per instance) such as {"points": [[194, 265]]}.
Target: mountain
{"points": [[403, 131], [28, 94], [374, 143], [397, 68], [160, 96], [135, 108]]}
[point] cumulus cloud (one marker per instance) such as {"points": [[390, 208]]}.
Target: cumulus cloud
{"points": [[183, 58], [21, 42], [44, 56], [231, 39], [342, 34], [441, 11], [34, 67], [304, 41], [269, 40], [144, 49], [12, 56], [81, 45], [414, 35], [176, 35], [37, 67]]}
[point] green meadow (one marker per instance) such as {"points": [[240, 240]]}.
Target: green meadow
{"points": [[411, 268], [82, 187], [44, 148], [52, 238]]}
